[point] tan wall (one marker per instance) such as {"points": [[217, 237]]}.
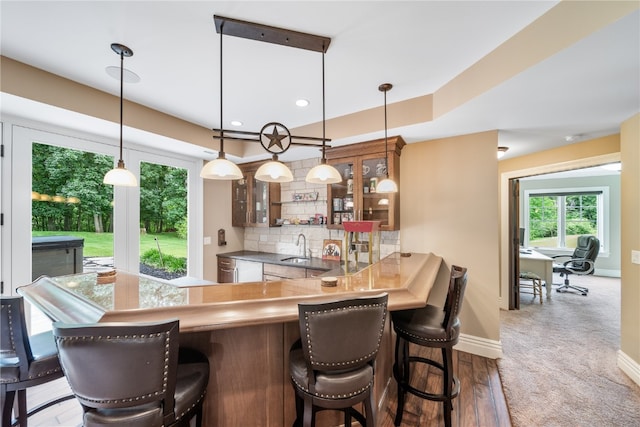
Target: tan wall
{"points": [[217, 215], [28, 82], [630, 224], [449, 206]]}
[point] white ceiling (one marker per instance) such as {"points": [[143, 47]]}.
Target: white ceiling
{"points": [[587, 89]]}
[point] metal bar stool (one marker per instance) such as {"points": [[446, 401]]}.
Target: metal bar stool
{"points": [[433, 327]]}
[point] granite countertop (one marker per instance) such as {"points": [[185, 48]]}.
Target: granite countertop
{"points": [[85, 298], [332, 268]]}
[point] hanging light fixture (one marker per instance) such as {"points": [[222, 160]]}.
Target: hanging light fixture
{"points": [[323, 173], [274, 171], [274, 137], [120, 175], [221, 168], [386, 185]]}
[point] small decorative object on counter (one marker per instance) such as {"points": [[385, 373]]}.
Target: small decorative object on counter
{"points": [[329, 281], [373, 183]]}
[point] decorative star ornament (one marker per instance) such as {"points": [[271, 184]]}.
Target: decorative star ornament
{"points": [[279, 137]]}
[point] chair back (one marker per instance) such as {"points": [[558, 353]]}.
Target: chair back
{"points": [[119, 365], [15, 349], [587, 248], [453, 303], [342, 335]]}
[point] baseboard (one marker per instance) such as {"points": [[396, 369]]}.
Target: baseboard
{"points": [[479, 346], [606, 273], [629, 366]]}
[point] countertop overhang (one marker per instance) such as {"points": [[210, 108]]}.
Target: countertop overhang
{"points": [[80, 298]]}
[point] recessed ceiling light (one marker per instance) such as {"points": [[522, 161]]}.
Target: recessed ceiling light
{"points": [[127, 75], [302, 102], [236, 123]]}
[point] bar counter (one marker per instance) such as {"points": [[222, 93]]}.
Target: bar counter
{"points": [[245, 329]]}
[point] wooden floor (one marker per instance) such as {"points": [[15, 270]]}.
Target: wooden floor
{"points": [[481, 402]]}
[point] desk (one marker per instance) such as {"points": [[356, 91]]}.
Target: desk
{"points": [[539, 264]]}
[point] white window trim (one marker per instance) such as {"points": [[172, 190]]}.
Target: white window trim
{"points": [[16, 194], [603, 212]]}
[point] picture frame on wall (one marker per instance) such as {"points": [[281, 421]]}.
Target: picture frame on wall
{"points": [[331, 250]]}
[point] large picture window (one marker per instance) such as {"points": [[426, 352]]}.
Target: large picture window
{"points": [[555, 219]]}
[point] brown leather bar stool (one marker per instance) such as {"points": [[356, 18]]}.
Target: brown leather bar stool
{"points": [[433, 327], [332, 365], [24, 362], [132, 374]]}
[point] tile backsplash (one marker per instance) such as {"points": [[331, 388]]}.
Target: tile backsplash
{"points": [[283, 239]]}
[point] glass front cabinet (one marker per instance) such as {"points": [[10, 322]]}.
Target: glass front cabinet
{"points": [[252, 201], [362, 166]]}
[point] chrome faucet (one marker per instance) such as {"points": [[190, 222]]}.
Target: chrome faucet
{"points": [[304, 244]]}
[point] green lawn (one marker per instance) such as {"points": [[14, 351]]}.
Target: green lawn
{"points": [[101, 244]]}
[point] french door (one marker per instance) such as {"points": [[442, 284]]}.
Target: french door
{"points": [[124, 223]]}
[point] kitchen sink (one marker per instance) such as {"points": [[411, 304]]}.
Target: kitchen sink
{"points": [[295, 259]]}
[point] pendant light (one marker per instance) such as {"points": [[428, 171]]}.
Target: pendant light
{"points": [[120, 175], [323, 173], [274, 171], [221, 168], [386, 185]]}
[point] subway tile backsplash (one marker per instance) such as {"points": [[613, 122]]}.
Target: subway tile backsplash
{"points": [[283, 239]]}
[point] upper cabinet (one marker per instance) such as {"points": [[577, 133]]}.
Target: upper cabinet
{"points": [[252, 201], [362, 166]]}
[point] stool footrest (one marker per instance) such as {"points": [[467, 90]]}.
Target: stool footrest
{"points": [[423, 394]]}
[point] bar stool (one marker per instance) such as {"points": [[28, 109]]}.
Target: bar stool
{"points": [[332, 365], [433, 327], [132, 374], [24, 362]]}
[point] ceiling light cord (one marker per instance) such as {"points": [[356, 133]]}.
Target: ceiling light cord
{"points": [[121, 102], [324, 160], [221, 154], [386, 152]]}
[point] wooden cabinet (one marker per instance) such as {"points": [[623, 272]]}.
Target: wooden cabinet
{"points": [[362, 166], [252, 201], [231, 270], [226, 270]]}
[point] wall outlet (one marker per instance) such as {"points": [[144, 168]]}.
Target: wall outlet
{"points": [[635, 257], [207, 240]]}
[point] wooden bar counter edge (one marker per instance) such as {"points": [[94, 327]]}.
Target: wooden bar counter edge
{"points": [[245, 329]]}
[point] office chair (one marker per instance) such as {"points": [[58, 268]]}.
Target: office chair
{"points": [[582, 262]]}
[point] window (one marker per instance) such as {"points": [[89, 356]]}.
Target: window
{"points": [[555, 218]]}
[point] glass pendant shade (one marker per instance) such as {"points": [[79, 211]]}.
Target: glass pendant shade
{"points": [[221, 168], [120, 176], [323, 174], [274, 171], [387, 186]]}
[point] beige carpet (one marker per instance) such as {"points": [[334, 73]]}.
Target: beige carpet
{"points": [[559, 365]]}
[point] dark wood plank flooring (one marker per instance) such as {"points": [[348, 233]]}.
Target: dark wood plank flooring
{"points": [[481, 402]]}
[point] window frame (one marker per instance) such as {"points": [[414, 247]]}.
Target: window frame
{"points": [[18, 138], [603, 213]]}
